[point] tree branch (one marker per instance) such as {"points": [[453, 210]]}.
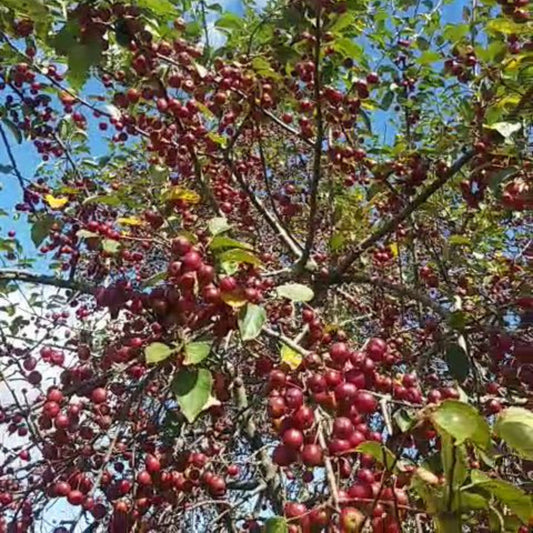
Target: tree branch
{"points": [[40, 279], [400, 290], [16, 170], [317, 159], [330, 473], [393, 223], [265, 213], [285, 340]]}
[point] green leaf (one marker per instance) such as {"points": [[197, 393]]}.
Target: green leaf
{"points": [[404, 418], [158, 7], [27, 7], [216, 138], [387, 100], [511, 524], [457, 361], [366, 119], [276, 524], [239, 256], [295, 292], [379, 452], [455, 32], [342, 21], [218, 225], [515, 426], [336, 242], [496, 523], [229, 21], [6, 169], [458, 240], [457, 320], [251, 320], [455, 467], [428, 57], [110, 246], [193, 391], [65, 38], [348, 48], [41, 229], [81, 58], [422, 43], [263, 67], [35, 10], [496, 51], [425, 484], [196, 352], [498, 178], [220, 241], [157, 352], [519, 502], [473, 501], [463, 422], [154, 280], [108, 199], [505, 26], [229, 267], [505, 129], [13, 129]]}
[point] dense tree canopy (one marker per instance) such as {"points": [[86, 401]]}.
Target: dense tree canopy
{"points": [[272, 271]]}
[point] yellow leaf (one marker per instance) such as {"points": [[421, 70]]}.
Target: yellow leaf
{"points": [[55, 203], [130, 221], [179, 193], [290, 357], [394, 249], [331, 328], [370, 106], [70, 190], [506, 101], [234, 299]]}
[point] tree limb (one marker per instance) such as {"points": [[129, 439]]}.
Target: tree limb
{"points": [[40, 279], [400, 290], [393, 223]]}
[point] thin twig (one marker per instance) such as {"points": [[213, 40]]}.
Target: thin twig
{"points": [[16, 170], [285, 340], [330, 474]]}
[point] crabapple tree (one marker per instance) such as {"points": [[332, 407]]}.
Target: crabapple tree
{"points": [[271, 270]]}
